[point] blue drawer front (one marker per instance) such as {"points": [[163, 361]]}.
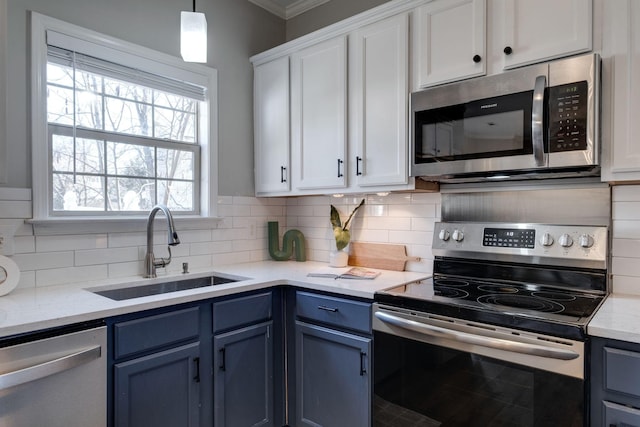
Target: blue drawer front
{"points": [[148, 333], [339, 312], [241, 311]]}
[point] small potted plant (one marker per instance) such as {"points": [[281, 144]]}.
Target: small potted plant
{"points": [[340, 257]]}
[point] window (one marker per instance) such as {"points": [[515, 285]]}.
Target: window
{"points": [[122, 128]]}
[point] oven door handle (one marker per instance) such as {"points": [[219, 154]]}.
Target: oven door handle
{"points": [[537, 117], [467, 338]]}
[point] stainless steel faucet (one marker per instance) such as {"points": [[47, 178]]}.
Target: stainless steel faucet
{"points": [[150, 262]]}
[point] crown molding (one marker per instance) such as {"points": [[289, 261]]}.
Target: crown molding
{"points": [[290, 11], [340, 28]]}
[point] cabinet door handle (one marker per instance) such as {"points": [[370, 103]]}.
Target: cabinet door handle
{"points": [[196, 366], [363, 366], [282, 174], [477, 58], [340, 162], [358, 161], [325, 308], [507, 50], [223, 361]]}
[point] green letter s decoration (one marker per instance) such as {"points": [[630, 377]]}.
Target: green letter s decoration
{"points": [[291, 238]]}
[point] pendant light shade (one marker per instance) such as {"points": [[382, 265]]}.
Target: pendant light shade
{"points": [[193, 36]]}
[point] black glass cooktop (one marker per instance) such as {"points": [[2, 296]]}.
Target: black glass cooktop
{"points": [[561, 312]]}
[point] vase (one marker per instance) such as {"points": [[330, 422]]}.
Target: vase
{"points": [[338, 258]]}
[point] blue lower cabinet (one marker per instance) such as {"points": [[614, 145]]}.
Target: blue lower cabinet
{"points": [[333, 387], [159, 390], [615, 383], [243, 377]]}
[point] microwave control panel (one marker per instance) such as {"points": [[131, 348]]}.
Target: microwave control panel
{"points": [[568, 117]]}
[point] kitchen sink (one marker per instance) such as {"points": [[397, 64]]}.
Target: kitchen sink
{"points": [[120, 294]]}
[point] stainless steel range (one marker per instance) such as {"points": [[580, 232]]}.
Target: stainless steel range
{"points": [[498, 335]]}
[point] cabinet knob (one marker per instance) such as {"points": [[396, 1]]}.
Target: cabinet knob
{"points": [[477, 58], [507, 50]]}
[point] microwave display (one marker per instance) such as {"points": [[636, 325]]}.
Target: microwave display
{"points": [[568, 117]]}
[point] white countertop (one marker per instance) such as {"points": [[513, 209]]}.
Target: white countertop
{"points": [[617, 318], [32, 309]]}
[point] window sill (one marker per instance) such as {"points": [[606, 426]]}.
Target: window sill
{"points": [[98, 225]]}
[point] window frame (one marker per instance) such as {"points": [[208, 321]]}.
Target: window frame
{"points": [[129, 55]]}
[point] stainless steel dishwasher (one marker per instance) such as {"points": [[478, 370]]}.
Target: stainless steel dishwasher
{"points": [[55, 381]]}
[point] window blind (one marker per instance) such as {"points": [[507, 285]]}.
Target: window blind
{"points": [[86, 62]]}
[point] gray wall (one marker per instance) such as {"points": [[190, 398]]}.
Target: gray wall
{"points": [[237, 30], [327, 14]]}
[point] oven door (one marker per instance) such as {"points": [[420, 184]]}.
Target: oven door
{"points": [[436, 371]]}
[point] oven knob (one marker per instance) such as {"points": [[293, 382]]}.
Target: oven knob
{"points": [[444, 235], [565, 241], [458, 235], [546, 239], [586, 241]]}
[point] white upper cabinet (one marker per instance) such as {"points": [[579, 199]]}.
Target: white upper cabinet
{"points": [[540, 30], [378, 101], [621, 91], [448, 41], [271, 126], [319, 115]]}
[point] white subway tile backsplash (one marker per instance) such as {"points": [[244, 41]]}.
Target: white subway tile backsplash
{"points": [[626, 229], [70, 242], [191, 236], [107, 256], [626, 193], [61, 276], [231, 258], [40, 261], [410, 237], [24, 244], [624, 266], [122, 240], [240, 235], [126, 269], [626, 248], [422, 224], [27, 280], [625, 210], [625, 244], [387, 223], [374, 236]]}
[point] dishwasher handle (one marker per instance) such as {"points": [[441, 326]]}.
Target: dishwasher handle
{"points": [[46, 369], [468, 338]]}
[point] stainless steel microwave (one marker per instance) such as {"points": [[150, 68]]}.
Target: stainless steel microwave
{"points": [[537, 121]]}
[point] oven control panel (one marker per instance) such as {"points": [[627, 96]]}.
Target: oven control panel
{"points": [[556, 244], [509, 238]]}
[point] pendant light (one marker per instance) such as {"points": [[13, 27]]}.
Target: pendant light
{"points": [[193, 36]]}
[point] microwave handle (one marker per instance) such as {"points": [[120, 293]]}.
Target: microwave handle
{"points": [[537, 117]]}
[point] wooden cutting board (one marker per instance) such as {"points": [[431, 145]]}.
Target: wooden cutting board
{"points": [[379, 255]]}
